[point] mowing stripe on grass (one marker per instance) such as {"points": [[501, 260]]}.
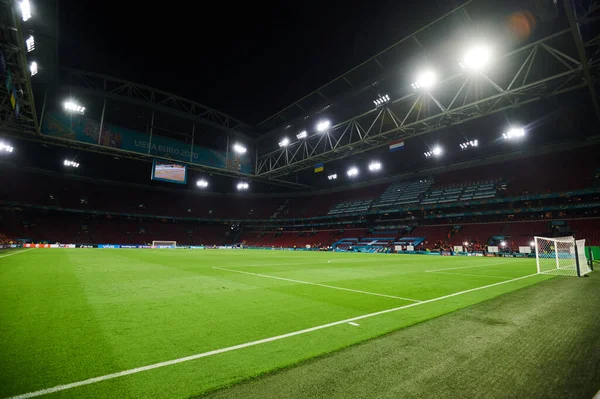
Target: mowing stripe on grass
{"points": [[94, 380], [317, 284], [471, 275], [16, 253], [465, 267]]}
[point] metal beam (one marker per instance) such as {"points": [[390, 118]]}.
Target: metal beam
{"points": [[454, 103], [122, 90], [582, 55]]}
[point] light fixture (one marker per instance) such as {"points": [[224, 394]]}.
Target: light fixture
{"points": [[33, 68], [72, 106], [5, 147], [532, 244], [381, 100], [30, 44], [466, 243], [476, 58], [425, 80], [374, 166], [467, 144], [353, 171], [514, 133], [202, 183], [240, 149], [285, 142], [302, 135], [502, 243], [435, 152], [332, 177], [242, 185], [71, 164], [25, 10], [323, 125]]}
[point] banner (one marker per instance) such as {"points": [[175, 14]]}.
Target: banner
{"points": [[79, 128]]}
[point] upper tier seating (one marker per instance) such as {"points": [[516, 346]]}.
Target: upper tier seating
{"points": [[403, 193], [350, 207], [460, 192]]}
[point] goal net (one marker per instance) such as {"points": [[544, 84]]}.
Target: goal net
{"points": [[164, 244], [563, 256]]}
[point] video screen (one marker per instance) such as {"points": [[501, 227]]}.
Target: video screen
{"points": [[169, 171]]}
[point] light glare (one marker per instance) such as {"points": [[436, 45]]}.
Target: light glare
{"points": [[302, 135], [352, 172], [425, 80], [33, 68], [25, 10], [202, 183], [240, 149], [374, 166], [5, 147], [332, 177], [323, 125], [72, 106], [242, 185], [514, 133], [476, 58], [285, 142]]}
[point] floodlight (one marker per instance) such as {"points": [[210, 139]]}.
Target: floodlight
{"points": [[5, 147], [25, 10], [353, 171], [502, 243], [476, 58], [436, 151], [33, 68], [467, 144], [374, 166], [532, 244], [72, 106], [425, 80], [242, 185], [302, 135], [323, 125], [381, 100], [332, 177], [30, 44], [514, 133], [202, 183], [285, 142], [72, 164], [240, 149]]}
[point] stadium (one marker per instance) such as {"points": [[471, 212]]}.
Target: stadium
{"points": [[424, 223]]}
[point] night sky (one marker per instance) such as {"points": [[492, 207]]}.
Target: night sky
{"points": [[247, 59]]}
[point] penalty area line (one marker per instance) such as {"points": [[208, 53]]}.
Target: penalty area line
{"points": [[317, 284], [106, 377]]}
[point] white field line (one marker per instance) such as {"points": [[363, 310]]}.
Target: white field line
{"points": [[354, 324], [16, 253], [94, 380], [471, 275], [465, 267], [317, 284]]}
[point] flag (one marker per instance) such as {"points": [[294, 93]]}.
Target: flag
{"points": [[319, 167], [396, 145]]}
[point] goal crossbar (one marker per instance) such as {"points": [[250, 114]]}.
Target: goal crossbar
{"points": [[164, 244]]}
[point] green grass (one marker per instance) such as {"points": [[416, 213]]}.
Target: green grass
{"points": [[74, 314]]}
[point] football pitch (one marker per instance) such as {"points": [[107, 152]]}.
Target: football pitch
{"points": [[180, 323]]}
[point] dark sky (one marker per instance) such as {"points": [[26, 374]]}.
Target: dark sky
{"points": [[248, 59]]}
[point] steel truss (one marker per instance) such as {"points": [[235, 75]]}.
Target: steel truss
{"points": [[122, 90], [15, 51], [536, 71]]}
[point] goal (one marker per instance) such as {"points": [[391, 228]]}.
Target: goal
{"points": [[164, 244], [563, 256]]}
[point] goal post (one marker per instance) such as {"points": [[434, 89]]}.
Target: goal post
{"points": [[564, 256], [164, 244]]}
